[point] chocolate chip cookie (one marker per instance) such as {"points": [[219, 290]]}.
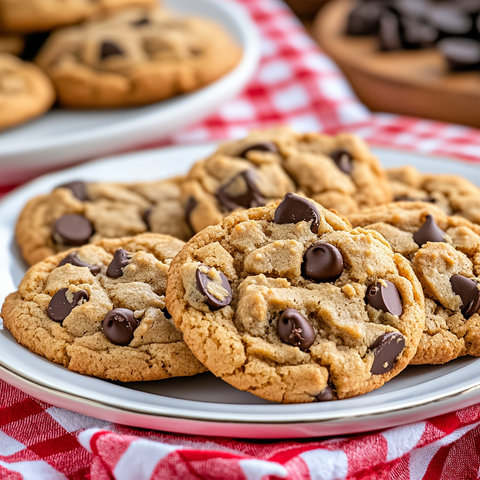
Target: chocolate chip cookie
{"points": [[80, 212], [99, 310], [445, 255], [25, 91], [11, 44], [453, 194], [136, 57], [289, 303]]}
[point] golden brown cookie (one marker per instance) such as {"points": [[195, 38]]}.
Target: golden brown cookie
{"points": [[11, 44], [99, 310], [289, 303]]}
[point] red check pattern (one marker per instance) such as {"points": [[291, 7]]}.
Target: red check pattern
{"points": [[297, 85]]}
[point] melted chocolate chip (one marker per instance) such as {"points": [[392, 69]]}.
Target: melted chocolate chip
{"points": [[78, 189], [73, 259], [428, 232], [467, 290], [389, 35], [166, 313], [259, 147], [385, 298], [59, 307], [294, 329], [109, 49], [386, 349], [325, 395], [119, 325], [120, 260], [240, 191], [295, 209], [343, 160], [146, 217], [322, 262], [72, 229], [217, 296], [189, 207]]}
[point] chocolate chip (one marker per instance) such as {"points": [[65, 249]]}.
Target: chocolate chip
{"points": [[240, 191], [385, 298], [72, 229], [59, 307], [389, 35], [428, 232], [120, 260], [467, 290], [325, 395], [73, 259], [109, 49], [343, 160], [416, 34], [404, 198], [386, 349], [450, 20], [294, 329], [322, 262], [189, 207], [295, 209], [78, 189], [363, 19], [259, 147], [166, 313], [141, 21], [461, 53], [214, 286], [119, 325], [146, 217]]}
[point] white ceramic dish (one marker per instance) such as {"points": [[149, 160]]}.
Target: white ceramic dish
{"points": [[66, 136], [204, 404]]}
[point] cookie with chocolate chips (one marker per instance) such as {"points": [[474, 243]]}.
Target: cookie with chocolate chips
{"points": [[290, 303], [79, 212], [100, 310], [445, 255], [136, 57]]}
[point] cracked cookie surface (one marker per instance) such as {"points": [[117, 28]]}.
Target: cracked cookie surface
{"points": [[100, 311], [289, 303], [445, 255]]}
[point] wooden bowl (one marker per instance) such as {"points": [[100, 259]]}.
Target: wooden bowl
{"points": [[407, 82]]}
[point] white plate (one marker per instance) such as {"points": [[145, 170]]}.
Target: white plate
{"points": [[66, 136], [204, 404]]}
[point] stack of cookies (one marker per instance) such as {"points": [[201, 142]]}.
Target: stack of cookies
{"points": [[309, 273], [103, 54]]}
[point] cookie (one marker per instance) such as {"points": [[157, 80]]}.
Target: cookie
{"points": [[99, 310], [27, 16], [339, 172], [289, 303], [453, 194], [80, 212], [445, 255], [136, 57], [25, 91], [11, 44]]}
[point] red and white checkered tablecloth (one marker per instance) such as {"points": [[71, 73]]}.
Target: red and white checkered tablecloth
{"points": [[297, 85]]}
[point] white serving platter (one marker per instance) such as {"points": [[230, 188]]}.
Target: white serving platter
{"points": [[66, 136], [204, 404]]}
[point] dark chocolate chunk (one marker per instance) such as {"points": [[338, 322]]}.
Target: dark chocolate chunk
{"points": [[461, 53], [189, 207], [109, 49], [417, 34], [343, 160], [450, 20], [428, 232], [385, 298], [120, 260], [146, 217], [73, 259], [72, 229], [240, 191], [217, 296], [119, 325], [260, 147], [294, 329], [363, 19], [414, 9], [166, 313], [467, 290], [78, 189], [389, 34], [322, 262], [59, 307], [404, 198], [295, 209], [386, 349], [325, 395]]}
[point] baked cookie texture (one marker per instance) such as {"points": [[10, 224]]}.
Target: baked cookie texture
{"points": [[27, 16], [453, 194], [94, 211], [277, 300], [25, 91], [136, 57], [11, 44], [140, 343], [445, 255], [338, 172]]}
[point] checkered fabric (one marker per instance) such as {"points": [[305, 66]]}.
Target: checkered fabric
{"points": [[297, 85]]}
